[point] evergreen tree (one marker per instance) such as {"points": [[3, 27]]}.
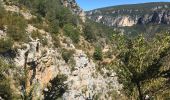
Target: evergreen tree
{"points": [[140, 63]]}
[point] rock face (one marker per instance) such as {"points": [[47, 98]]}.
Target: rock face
{"points": [[162, 17], [73, 6], [45, 63], [129, 15], [84, 82], [118, 21]]}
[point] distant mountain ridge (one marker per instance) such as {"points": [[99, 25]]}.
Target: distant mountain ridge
{"points": [[132, 14]]}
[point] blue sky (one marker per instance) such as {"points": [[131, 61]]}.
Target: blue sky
{"points": [[93, 4]]}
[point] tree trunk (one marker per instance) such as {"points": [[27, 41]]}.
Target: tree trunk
{"points": [[139, 90]]}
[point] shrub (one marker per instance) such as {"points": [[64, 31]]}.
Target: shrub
{"points": [[36, 34], [67, 54], [37, 22], [44, 41], [56, 41], [72, 32], [40, 7], [75, 20], [5, 45], [55, 12], [72, 64], [98, 54], [16, 28], [54, 26], [64, 16], [89, 32], [2, 13], [5, 89]]}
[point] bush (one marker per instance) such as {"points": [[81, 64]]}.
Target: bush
{"points": [[44, 41], [2, 13], [67, 54], [5, 89], [16, 28], [54, 26], [98, 54], [5, 45], [72, 32], [59, 15], [56, 88], [64, 15], [56, 41], [36, 34], [40, 7], [89, 32], [37, 22]]}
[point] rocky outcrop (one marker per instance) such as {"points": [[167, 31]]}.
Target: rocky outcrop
{"points": [[162, 17], [2, 34], [117, 21], [84, 82], [73, 6]]}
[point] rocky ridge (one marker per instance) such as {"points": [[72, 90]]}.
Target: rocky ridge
{"points": [[130, 15]]}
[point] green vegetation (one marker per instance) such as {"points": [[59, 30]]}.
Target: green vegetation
{"points": [[98, 54], [72, 32], [72, 64], [89, 33], [56, 41], [16, 27], [6, 91], [37, 22], [67, 54], [54, 26], [93, 31], [141, 65], [15, 23], [5, 45], [56, 88], [55, 14], [2, 13], [149, 31], [38, 35]]}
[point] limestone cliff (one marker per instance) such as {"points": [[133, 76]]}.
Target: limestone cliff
{"points": [[84, 82], [130, 15]]}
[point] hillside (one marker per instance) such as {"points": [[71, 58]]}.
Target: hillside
{"points": [[129, 15], [46, 52], [49, 50]]}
